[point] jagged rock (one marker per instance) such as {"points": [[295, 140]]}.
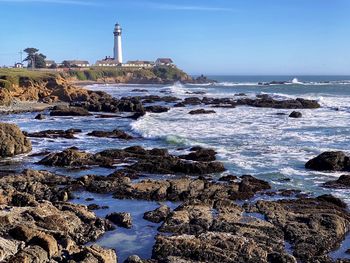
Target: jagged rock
{"points": [[120, 219], [96, 254], [189, 219], [30, 254], [12, 141], [9, 248], [186, 188], [212, 247], [314, 226], [201, 111], [73, 158], [158, 215], [295, 114], [113, 134], [329, 161]]}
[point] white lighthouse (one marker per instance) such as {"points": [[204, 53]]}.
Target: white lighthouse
{"points": [[118, 53]]}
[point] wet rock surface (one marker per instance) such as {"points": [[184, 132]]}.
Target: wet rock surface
{"points": [[12, 141], [201, 111], [189, 188], [53, 134], [150, 161], [330, 161], [295, 115], [342, 182], [113, 134]]}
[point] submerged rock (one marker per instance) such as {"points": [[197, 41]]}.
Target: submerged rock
{"points": [[329, 161], [201, 111], [295, 114], [12, 141]]}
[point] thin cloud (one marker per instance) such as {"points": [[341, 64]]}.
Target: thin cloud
{"points": [[188, 8], [60, 2]]}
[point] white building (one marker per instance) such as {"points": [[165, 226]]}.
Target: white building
{"points": [[18, 65], [77, 63], [49, 63], [164, 62], [118, 52], [138, 64], [107, 62]]}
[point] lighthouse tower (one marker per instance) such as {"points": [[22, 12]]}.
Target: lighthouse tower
{"points": [[118, 53]]}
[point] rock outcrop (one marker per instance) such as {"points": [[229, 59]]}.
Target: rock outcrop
{"points": [[329, 161], [147, 161], [12, 141]]}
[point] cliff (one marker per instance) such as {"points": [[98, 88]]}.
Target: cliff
{"points": [[47, 87]]}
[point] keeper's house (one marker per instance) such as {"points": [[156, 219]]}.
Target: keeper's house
{"points": [[77, 63], [138, 64], [164, 62]]}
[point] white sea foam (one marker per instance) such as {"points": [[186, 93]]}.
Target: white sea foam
{"points": [[233, 84]]}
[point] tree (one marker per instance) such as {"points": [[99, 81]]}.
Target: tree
{"points": [[53, 66], [35, 59], [66, 64]]}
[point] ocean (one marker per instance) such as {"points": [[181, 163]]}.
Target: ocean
{"points": [[256, 141]]}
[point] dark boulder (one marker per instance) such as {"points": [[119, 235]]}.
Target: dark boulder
{"points": [[192, 101], [120, 219], [329, 161], [40, 117], [201, 154], [295, 114]]}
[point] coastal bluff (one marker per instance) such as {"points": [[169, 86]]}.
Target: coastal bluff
{"points": [[55, 86]]}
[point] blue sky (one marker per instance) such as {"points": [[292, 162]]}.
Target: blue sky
{"points": [[206, 36]]}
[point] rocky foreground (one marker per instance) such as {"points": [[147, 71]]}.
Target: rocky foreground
{"points": [[225, 220], [212, 224]]}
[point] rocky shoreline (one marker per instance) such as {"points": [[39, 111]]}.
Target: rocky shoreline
{"points": [[215, 220]]}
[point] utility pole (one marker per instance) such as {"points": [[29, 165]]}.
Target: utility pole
{"points": [[21, 55]]}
